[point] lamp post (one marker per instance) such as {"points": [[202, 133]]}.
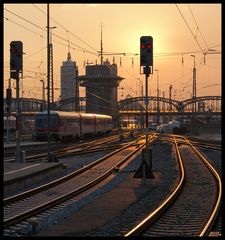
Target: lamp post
{"points": [[43, 94], [43, 89], [141, 87], [157, 95]]}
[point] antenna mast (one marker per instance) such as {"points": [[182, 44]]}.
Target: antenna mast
{"points": [[101, 44]]}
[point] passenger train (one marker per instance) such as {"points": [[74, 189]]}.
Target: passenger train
{"points": [[68, 125]]}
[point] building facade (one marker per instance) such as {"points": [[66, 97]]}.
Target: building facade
{"points": [[69, 85], [101, 83]]}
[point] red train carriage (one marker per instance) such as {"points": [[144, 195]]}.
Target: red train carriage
{"points": [[67, 125]]}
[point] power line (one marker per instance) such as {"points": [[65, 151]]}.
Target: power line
{"points": [[197, 25], [52, 33], [40, 34], [65, 28], [189, 28], [158, 55], [84, 50], [24, 19], [37, 52], [23, 26]]}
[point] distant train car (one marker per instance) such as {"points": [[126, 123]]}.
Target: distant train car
{"points": [[174, 124], [103, 124], [68, 125], [27, 121], [164, 128], [178, 128], [9, 123], [9, 127], [171, 127]]}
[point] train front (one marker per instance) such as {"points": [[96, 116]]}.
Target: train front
{"points": [[41, 126]]}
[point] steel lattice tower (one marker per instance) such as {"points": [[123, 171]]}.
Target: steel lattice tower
{"points": [[51, 73], [51, 67]]}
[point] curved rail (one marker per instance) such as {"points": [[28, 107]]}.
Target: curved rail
{"points": [[152, 217], [208, 226], [165, 204]]}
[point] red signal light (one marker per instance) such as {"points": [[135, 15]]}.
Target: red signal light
{"points": [[148, 46], [142, 45]]}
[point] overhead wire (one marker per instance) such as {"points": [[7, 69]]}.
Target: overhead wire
{"points": [[160, 55], [23, 26], [197, 26], [35, 33], [65, 28], [81, 48], [157, 55], [189, 28], [109, 53]]}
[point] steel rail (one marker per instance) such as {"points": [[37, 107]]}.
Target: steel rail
{"points": [[46, 186], [152, 216], [55, 148], [199, 143], [212, 218], [63, 149], [73, 193]]}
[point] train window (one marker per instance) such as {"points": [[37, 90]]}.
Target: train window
{"points": [[42, 121]]}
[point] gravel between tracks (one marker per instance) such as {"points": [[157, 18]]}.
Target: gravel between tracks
{"points": [[165, 170], [166, 173]]}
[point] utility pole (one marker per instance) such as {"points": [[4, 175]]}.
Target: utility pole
{"points": [[43, 95], [170, 106], [158, 111], [9, 102], [18, 127], [43, 90], [51, 64], [194, 99], [48, 77], [101, 45]]}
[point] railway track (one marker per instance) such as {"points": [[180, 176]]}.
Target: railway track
{"points": [[192, 207], [74, 149], [19, 208], [208, 144]]}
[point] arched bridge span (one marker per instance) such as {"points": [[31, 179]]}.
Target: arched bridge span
{"points": [[137, 103]]}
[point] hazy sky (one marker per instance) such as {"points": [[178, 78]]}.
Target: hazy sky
{"points": [[123, 25]]}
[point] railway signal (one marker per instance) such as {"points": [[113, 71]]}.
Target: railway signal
{"points": [[16, 58], [146, 61], [16, 66], [146, 52]]}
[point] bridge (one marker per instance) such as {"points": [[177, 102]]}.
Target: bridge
{"points": [[212, 103], [128, 105], [132, 110]]}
